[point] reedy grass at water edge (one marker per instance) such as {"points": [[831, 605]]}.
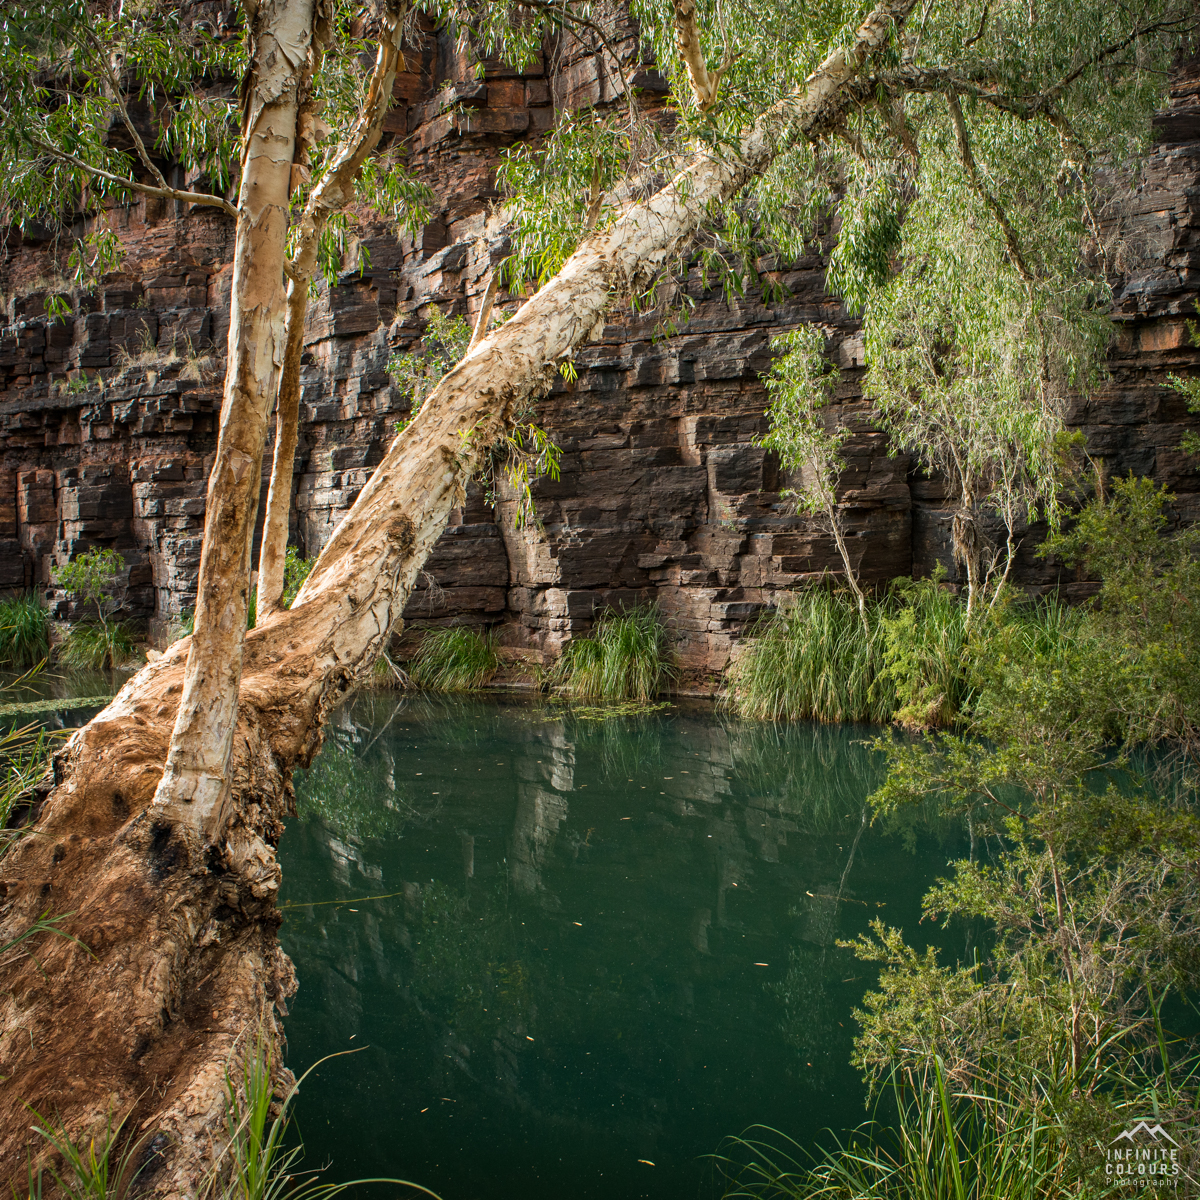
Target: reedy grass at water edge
{"points": [[626, 658], [92, 647], [812, 660], [454, 660], [24, 632], [1020, 1134]]}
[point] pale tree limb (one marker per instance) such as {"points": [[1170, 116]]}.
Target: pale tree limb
{"points": [[333, 192], [194, 785], [485, 313], [705, 84]]}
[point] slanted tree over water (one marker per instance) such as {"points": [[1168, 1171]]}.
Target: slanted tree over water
{"points": [[975, 124]]}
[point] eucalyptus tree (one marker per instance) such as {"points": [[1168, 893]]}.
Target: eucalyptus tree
{"points": [[800, 383], [176, 900]]}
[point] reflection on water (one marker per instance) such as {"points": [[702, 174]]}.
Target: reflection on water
{"points": [[602, 946]]}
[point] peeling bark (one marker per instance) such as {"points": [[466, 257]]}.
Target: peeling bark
{"points": [[180, 920], [334, 192], [194, 787]]}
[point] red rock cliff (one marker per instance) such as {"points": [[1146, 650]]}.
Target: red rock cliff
{"points": [[108, 422]]}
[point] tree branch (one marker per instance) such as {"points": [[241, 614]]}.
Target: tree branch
{"points": [[165, 193], [334, 191], [976, 180], [485, 315], [704, 86], [119, 97]]}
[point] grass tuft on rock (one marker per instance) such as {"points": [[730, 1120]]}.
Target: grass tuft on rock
{"points": [[92, 647], [454, 660], [24, 632], [627, 658]]}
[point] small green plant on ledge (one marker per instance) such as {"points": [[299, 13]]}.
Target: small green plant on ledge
{"points": [[627, 658], [454, 660], [94, 579]]}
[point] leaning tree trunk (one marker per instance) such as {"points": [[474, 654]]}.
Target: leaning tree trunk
{"points": [[194, 787], [333, 192], [179, 922]]}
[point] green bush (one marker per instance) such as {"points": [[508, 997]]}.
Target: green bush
{"points": [[626, 658], [454, 660], [925, 653], [922, 665], [89, 647], [93, 578], [813, 660], [295, 571], [24, 632]]}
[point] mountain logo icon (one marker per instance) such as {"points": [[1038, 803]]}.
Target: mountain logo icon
{"points": [[1151, 1131]]}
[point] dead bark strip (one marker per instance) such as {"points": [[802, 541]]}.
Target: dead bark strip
{"points": [[182, 958], [195, 787]]}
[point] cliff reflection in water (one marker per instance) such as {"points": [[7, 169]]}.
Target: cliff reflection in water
{"points": [[601, 941]]}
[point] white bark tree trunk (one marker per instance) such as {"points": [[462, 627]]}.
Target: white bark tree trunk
{"points": [[334, 192], [194, 787]]}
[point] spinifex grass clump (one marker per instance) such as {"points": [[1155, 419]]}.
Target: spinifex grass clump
{"points": [[24, 632], [626, 658], [89, 647], [813, 660], [454, 660]]}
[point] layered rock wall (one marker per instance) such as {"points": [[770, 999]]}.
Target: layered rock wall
{"points": [[108, 418]]}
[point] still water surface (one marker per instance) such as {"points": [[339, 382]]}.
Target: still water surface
{"points": [[603, 947]]}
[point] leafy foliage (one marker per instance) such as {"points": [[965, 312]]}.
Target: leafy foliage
{"points": [[1190, 390], [801, 384], [1081, 874], [296, 570], [1146, 621], [924, 653], [443, 344], [70, 73]]}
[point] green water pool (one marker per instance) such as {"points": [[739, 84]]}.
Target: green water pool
{"points": [[597, 947]]}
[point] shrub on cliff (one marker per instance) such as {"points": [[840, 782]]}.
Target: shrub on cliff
{"points": [[94, 579]]}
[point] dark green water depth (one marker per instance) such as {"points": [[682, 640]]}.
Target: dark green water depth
{"points": [[604, 945]]}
